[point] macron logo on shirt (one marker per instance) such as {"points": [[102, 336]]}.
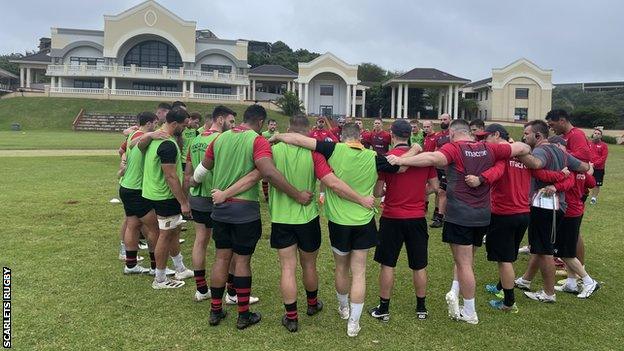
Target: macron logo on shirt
{"points": [[481, 153], [516, 164]]}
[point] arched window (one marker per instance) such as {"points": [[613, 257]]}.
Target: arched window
{"points": [[153, 53]]}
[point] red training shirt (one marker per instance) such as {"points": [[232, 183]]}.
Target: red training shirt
{"points": [[577, 144], [323, 135], [599, 152], [380, 141], [510, 187], [261, 147], [574, 196]]}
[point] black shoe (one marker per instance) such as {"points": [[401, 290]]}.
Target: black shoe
{"points": [[422, 314], [242, 322], [291, 324], [377, 313], [216, 317], [437, 223], [312, 310]]}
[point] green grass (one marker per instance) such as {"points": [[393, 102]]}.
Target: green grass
{"points": [[69, 292], [38, 139]]}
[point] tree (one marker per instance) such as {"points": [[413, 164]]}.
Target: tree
{"points": [[370, 72], [596, 102], [469, 106], [593, 117], [9, 66], [290, 104], [280, 46]]}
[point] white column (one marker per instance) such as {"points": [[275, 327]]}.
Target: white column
{"points": [[245, 88], [53, 82], [456, 102], [113, 84], [399, 111], [105, 82], [193, 87], [306, 87], [183, 88], [60, 82], [253, 89], [238, 94], [392, 102], [28, 77], [21, 77], [364, 103], [439, 101], [405, 99], [300, 92], [449, 101], [353, 94], [347, 102]]}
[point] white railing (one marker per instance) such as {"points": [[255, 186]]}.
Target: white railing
{"points": [[128, 92], [5, 87], [145, 72], [64, 90], [203, 96]]}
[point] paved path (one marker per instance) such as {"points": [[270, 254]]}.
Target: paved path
{"points": [[39, 153]]}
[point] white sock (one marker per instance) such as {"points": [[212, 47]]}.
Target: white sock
{"points": [[122, 248], [343, 300], [177, 262], [469, 307], [160, 275], [356, 311], [455, 287], [571, 282], [587, 280]]}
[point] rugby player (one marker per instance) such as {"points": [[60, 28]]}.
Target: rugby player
{"points": [[379, 139], [441, 138], [600, 152]]}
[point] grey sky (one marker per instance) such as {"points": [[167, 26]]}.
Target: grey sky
{"points": [[579, 40]]}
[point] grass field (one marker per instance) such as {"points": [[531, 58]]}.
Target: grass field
{"points": [[60, 237]]}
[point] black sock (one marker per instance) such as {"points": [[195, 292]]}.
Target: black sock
{"points": [[436, 212], [131, 259], [510, 299], [216, 302], [231, 290], [291, 310], [420, 304], [312, 297], [200, 280], [243, 291], [152, 260], [384, 305], [499, 286]]}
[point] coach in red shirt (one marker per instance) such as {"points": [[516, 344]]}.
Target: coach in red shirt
{"points": [[321, 132], [599, 151], [403, 221], [468, 209]]}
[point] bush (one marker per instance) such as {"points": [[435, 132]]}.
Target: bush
{"points": [[609, 139], [290, 104], [592, 117]]}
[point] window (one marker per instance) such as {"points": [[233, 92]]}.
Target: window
{"points": [[480, 96], [90, 84], [154, 86], [327, 90], [220, 68], [480, 115], [522, 93], [486, 94], [521, 114], [90, 61], [210, 89], [154, 54], [485, 114], [326, 110]]}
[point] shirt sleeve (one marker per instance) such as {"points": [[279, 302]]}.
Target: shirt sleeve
{"points": [[547, 176], [573, 163], [321, 167], [450, 152], [540, 154], [501, 151], [432, 173], [332, 136], [566, 184], [495, 172], [210, 150], [384, 166], [579, 147], [590, 181], [261, 148], [325, 148], [167, 152], [123, 147]]}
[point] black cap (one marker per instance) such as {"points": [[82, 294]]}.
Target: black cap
{"points": [[401, 128], [493, 128]]}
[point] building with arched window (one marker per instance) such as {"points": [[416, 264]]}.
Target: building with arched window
{"points": [[145, 51]]}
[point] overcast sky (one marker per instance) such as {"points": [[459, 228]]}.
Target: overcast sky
{"points": [[579, 40]]}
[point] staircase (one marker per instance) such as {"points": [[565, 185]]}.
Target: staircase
{"points": [[103, 122]]}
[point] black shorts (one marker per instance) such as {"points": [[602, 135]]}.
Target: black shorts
{"points": [[458, 234], [134, 204], [241, 238], [442, 178], [541, 230], [504, 236], [202, 217], [167, 208], [599, 175], [307, 236], [393, 233], [345, 238], [567, 237]]}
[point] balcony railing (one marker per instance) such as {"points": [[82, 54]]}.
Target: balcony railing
{"points": [[144, 93], [133, 71]]}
